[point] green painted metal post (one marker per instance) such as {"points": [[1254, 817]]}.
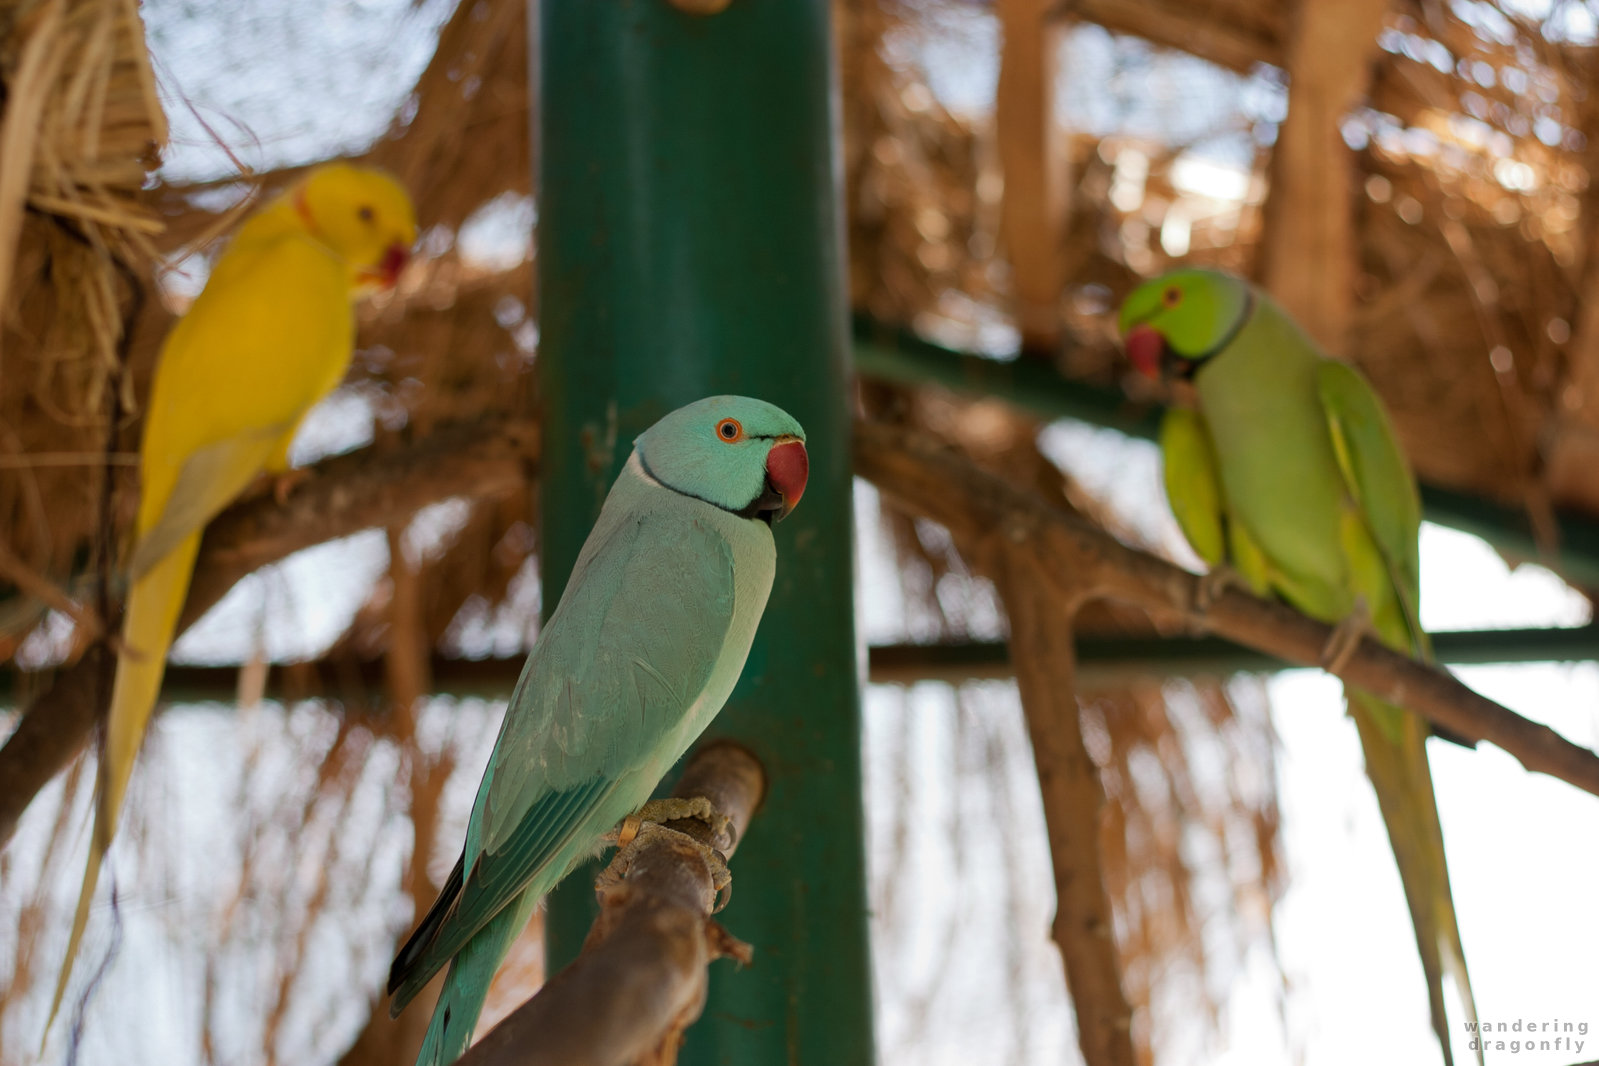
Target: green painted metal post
{"points": [[690, 243]]}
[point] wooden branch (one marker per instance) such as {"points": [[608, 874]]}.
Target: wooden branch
{"points": [[641, 979], [56, 726], [32, 583], [345, 495], [929, 480], [1074, 800], [361, 490], [1228, 42]]}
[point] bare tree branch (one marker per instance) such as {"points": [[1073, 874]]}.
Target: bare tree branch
{"points": [[1079, 559], [360, 490], [641, 979], [1074, 801], [32, 583], [345, 495]]}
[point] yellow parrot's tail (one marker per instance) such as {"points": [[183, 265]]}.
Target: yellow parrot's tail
{"points": [[1394, 741], [152, 613]]}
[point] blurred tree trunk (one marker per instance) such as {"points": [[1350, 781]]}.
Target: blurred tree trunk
{"points": [[1032, 155], [1572, 451], [1308, 248]]}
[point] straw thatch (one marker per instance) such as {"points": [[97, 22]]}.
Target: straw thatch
{"points": [[81, 131]]}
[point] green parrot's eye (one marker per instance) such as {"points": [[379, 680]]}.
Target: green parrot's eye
{"points": [[730, 430], [1171, 297]]}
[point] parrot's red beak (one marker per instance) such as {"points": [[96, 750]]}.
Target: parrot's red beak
{"points": [[788, 466], [1146, 349], [387, 272]]}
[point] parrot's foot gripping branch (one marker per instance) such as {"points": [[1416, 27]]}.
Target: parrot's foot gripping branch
{"points": [[615, 873], [637, 828], [670, 809], [286, 482], [1211, 585], [1341, 646]]}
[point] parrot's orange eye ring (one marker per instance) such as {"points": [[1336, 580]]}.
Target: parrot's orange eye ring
{"points": [[730, 430], [1172, 297]]}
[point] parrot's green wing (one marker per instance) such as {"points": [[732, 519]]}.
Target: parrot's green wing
{"points": [[1193, 486], [211, 478], [604, 694], [1378, 477]]}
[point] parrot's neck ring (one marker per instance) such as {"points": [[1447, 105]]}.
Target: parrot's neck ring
{"points": [[759, 509], [1227, 338], [302, 207], [644, 468]]}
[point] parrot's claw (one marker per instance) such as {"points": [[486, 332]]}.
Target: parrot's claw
{"points": [[1346, 638], [616, 872], [652, 817], [660, 812], [287, 482], [672, 808], [1208, 590], [280, 482]]}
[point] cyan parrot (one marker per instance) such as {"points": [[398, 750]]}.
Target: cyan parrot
{"points": [[640, 654], [1289, 473]]}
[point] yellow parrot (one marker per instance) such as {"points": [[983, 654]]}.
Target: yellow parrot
{"points": [[270, 335]]}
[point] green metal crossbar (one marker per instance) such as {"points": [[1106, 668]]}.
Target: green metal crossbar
{"points": [[1101, 662]]}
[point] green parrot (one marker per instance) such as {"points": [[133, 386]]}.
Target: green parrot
{"points": [[641, 652], [1289, 474]]}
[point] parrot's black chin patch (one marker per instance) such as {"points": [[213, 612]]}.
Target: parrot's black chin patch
{"points": [[1175, 367], [768, 507]]}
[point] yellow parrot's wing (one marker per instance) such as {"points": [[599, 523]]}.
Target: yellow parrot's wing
{"points": [[209, 480]]}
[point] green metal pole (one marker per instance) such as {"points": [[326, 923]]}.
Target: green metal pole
{"points": [[690, 243]]}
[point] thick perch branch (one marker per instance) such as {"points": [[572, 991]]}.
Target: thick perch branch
{"points": [[347, 494], [641, 979], [1084, 561]]}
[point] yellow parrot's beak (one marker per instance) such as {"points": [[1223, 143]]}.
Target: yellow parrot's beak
{"points": [[387, 273]]}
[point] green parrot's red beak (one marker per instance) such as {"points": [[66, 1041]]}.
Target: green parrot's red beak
{"points": [[1146, 350], [788, 467]]}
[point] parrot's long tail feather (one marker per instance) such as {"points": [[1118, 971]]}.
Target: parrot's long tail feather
{"points": [[91, 878], [413, 966], [1394, 741], [152, 613], [466, 986]]}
